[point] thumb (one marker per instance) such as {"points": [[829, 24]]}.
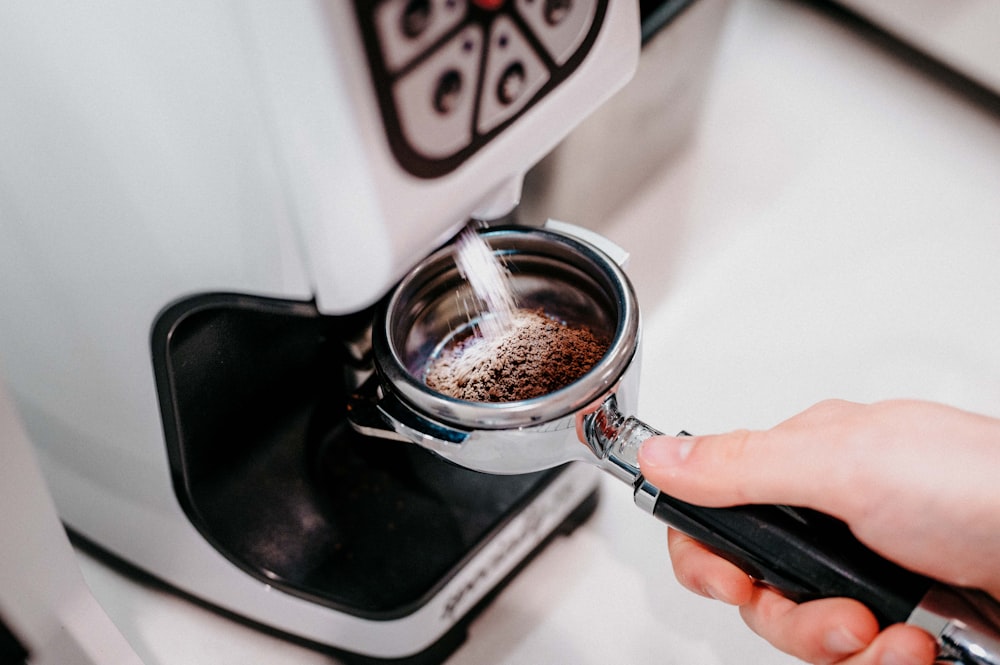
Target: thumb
{"points": [[786, 465], [708, 470]]}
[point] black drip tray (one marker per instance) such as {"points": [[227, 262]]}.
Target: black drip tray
{"points": [[402, 520], [370, 527], [253, 395]]}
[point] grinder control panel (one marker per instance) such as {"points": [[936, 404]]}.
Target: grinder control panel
{"points": [[450, 75]]}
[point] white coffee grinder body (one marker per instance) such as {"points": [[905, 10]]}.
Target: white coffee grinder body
{"points": [[170, 173]]}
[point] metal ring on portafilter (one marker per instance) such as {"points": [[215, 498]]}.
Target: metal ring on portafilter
{"points": [[802, 553], [570, 280]]}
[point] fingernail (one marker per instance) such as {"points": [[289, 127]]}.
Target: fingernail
{"points": [[666, 450], [842, 641]]}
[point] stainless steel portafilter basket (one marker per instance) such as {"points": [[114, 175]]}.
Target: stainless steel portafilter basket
{"points": [[570, 280], [571, 275]]}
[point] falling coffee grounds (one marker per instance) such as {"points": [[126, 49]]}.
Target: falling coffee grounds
{"points": [[535, 356]]}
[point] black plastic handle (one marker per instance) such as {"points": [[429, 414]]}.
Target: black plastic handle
{"points": [[802, 553]]}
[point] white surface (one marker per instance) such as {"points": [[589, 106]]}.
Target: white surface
{"points": [[961, 33], [833, 232]]}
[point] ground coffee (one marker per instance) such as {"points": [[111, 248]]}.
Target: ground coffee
{"points": [[535, 356]]}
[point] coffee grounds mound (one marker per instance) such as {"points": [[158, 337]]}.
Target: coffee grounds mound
{"points": [[535, 357]]}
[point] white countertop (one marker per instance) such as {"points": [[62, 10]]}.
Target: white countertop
{"points": [[833, 231]]}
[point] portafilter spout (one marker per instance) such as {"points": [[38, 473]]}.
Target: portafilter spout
{"points": [[802, 553]]}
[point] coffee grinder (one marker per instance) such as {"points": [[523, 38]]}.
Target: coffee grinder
{"points": [[200, 208]]}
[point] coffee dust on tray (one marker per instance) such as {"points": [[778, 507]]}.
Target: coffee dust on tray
{"points": [[534, 357]]}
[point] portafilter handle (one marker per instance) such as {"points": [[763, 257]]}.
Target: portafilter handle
{"points": [[802, 553]]}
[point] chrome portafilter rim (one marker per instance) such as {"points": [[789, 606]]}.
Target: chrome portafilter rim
{"points": [[573, 262]]}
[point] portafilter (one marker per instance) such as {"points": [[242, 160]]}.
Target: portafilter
{"points": [[570, 274]]}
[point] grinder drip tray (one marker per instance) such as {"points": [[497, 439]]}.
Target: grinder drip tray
{"points": [[402, 521], [253, 393]]}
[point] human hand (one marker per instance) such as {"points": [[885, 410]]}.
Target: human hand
{"points": [[915, 481]]}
